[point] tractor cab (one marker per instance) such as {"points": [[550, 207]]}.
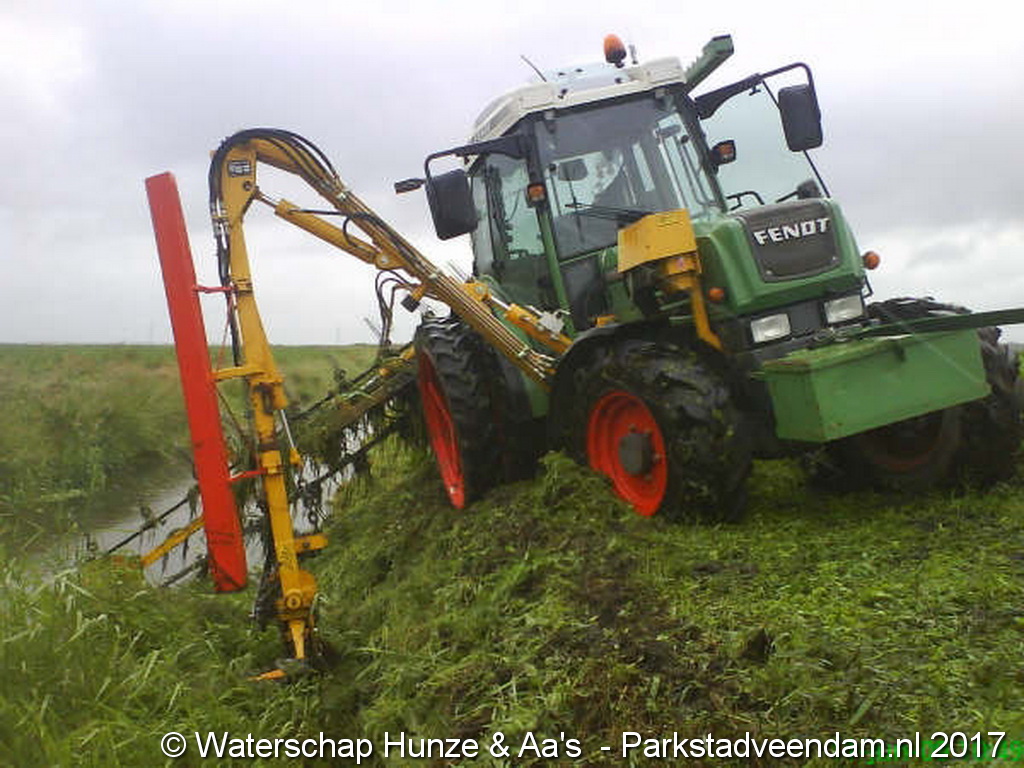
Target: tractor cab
{"points": [[600, 147]]}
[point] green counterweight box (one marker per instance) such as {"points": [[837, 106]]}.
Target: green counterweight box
{"points": [[849, 387]]}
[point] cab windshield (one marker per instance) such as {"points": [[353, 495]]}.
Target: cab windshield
{"points": [[611, 164], [764, 170]]}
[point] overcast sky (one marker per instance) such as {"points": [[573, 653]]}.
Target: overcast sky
{"points": [[923, 104]]}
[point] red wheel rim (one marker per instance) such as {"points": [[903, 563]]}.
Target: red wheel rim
{"points": [[441, 428], [906, 445], [615, 416]]}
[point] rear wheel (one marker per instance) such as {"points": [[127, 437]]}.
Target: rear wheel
{"points": [[662, 426], [992, 426], [454, 384], [910, 455], [977, 442]]}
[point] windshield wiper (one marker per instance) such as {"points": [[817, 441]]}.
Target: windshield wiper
{"points": [[619, 215], [738, 197]]}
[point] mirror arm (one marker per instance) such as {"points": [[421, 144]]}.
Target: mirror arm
{"points": [[513, 146], [708, 103], [794, 65]]}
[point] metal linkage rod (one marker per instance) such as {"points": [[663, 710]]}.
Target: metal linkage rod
{"points": [[388, 249]]}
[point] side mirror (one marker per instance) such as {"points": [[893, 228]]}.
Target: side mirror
{"points": [[801, 117], [451, 204]]}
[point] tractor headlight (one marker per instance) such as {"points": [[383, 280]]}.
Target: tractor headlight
{"points": [[845, 308], [769, 328]]}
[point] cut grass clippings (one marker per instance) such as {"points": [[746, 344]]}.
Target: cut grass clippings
{"points": [[549, 607]]}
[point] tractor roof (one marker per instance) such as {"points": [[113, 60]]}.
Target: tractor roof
{"points": [[572, 87], [596, 82]]}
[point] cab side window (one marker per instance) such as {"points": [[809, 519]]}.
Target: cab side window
{"points": [[508, 244]]}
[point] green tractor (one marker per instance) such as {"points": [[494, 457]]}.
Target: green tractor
{"points": [[713, 293]]}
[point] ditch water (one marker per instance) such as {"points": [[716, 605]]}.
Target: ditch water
{"points": [[102, 520], [131, 521], [121, 527]]}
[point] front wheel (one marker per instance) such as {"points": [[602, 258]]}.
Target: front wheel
{"points": [[662, 426], [625, 442], [977, 442]]}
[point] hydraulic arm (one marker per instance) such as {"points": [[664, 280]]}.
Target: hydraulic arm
{"points": [[233, 190]]}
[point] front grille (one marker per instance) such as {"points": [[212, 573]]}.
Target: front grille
{"points": [[791, 240]]}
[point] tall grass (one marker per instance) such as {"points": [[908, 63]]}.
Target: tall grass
{"points": [[97, 666]]}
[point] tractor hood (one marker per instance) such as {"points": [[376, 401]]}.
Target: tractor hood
{"points": [[775, 255]]}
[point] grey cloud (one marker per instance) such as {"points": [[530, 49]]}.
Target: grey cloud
{"points": [[378, 90]]}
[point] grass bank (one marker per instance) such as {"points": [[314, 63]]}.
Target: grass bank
{"points": [[548, 608]]}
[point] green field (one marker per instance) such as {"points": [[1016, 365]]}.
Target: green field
{"points": [[547, 608]]}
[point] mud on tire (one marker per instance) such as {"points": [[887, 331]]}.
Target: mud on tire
{"points": [[908, 456], [699, 454]]}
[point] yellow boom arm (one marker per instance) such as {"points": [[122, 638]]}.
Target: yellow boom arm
{"points": [[382, 247], [233, 189]]}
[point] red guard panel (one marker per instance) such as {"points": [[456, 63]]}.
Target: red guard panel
{"points": [[224, 539]]}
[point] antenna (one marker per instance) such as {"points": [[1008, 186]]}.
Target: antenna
{"points": [[533, 67]]}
